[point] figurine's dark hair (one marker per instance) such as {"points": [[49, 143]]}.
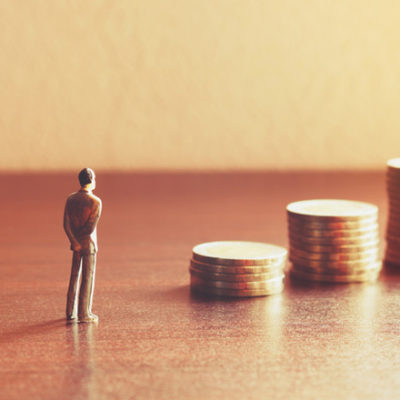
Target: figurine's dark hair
{"points": [[86, 176]]}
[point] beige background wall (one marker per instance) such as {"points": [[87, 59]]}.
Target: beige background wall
{"points": [[211, 84]]}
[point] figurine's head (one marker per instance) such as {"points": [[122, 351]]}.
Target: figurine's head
{"points": [[87, 178]]}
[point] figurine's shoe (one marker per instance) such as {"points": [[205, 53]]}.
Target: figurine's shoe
{"points": [[88, 318], [71, 319]]}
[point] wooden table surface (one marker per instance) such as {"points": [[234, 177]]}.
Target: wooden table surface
{"points": [[157, 341]]}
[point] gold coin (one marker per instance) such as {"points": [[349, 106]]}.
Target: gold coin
{"points": [[332, 222], [393, 240], [236, 277], [366, 277], [392, 180], [277, 288], [332, 210], [390, 231], [394, 210], [394, 217], [394, 214], [393, 194], [393, 247], [392, 183], [392, 186], [393, 164], [340, 270], [393, 251], [247, 269], [393, 230], [394, 197], [395, 202], [262, 285], [393, 224], [367, 254], [323, 264], [393, 174], [333, 233], [373, 266], [394, 255], [238, 253], [337, 248], [294, 224], [327, 241], [392, 260]]}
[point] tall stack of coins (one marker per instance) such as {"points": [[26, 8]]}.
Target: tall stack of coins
{"points": [[334, 240], [237, 269], [392, 254]]}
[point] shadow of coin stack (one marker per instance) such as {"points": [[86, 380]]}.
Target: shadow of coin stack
{"points": [[392, 253], [237, 269], [334, 241]]}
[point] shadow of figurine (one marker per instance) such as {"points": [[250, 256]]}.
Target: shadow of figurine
{"points": [[82, 212]]}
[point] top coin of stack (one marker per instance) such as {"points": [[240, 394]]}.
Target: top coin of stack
{"points": [[392, 254], [237, 269], [334, 240]]}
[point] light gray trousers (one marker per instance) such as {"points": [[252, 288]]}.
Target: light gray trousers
{"points": [[87, 264]]}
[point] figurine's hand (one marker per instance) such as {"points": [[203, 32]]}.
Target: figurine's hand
{"points": [[76, 247]]}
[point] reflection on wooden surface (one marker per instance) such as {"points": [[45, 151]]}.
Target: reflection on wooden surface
{"points": [[157, 340]]}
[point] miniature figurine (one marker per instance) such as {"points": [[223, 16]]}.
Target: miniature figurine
{"points": [[82, 212]]}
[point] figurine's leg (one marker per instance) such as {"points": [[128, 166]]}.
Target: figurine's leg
{"points": [[72, 296], [87, 286]]}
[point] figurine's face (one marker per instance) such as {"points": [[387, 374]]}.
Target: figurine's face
{"points": [[93, 184]]}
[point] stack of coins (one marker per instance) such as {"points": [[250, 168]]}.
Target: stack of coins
{"points": [[237, 269], [334, 240], [392, 254]]}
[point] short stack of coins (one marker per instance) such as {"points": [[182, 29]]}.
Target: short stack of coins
{"points": [[237, 268], [334, 240], [392, 254]]}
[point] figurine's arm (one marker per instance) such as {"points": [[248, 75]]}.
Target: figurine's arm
{"points": [[67, 228], [91, 223]]}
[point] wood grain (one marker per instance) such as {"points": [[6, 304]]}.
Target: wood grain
{"points": [[157, 341]]}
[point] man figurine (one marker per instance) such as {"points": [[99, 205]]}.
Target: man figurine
{"points": [[82, 212]]}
